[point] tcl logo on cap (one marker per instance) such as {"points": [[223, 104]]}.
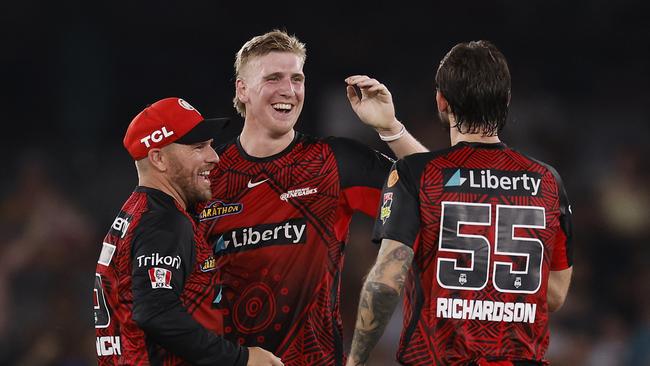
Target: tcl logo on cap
{"points": [[157, 136]]}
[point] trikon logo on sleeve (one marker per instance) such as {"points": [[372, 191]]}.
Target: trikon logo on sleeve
{"points": [[155, 259], [488, 181]]}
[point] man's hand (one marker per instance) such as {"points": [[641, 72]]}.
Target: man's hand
{"points": [[260, 357], [375, 106]]}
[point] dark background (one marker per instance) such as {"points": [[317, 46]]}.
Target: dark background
{"points": [[75, 73]]}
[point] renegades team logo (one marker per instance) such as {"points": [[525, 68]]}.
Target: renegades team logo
{"points": [[160, 278], [218, 209]]}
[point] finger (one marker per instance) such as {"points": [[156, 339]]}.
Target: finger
{"points": [[353, 97], [353, 80], [367, 83], [379, 88]]}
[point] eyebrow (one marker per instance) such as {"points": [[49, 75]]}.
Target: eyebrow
{"points": [[279, 74]]}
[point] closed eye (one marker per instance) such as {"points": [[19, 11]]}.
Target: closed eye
{"points": [[202, 145]]}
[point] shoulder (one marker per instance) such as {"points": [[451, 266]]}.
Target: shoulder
{"points": [[347, 148], [165, 218], [224, 146], [417, 162], [345, 143], [545, 168]]}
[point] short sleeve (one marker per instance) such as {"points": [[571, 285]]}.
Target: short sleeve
{"points": [[399, 213]]}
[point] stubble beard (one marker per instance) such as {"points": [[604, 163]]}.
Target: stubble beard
{"points": [[185, 180]]}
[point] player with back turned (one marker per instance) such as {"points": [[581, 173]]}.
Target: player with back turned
{"points": [[282, 203], [478, 234]]}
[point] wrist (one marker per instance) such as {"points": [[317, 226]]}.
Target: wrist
{"points": [[395, 132], [394, 128]]}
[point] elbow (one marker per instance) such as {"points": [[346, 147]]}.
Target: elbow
{"points": [[555, 301], [143, 317]]}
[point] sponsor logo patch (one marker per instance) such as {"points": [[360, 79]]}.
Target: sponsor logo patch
{"points": [[160, 278], [393, 177], [250, 183], [218, 209], [106, 255], [385, 207], [120, 225], [208, 264], [298, 193], [489, 181], [290, 232], [156, 136], [155, 259], [185, 104]]}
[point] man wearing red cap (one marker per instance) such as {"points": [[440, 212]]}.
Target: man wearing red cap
{"points": [[153, 266]]}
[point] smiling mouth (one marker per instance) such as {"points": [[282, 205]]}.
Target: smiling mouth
{"points": [[282, 107], [205, 174]]}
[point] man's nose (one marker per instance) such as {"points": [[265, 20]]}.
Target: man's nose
{"points": [[286, 87], [212, 157]]}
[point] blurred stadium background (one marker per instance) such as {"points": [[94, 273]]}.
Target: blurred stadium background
{"points": [[75, 73]]}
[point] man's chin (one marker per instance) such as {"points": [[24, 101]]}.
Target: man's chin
{"points": [[198, 197]]}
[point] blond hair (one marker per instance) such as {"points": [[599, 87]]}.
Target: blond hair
{"points": [[273, 41]]}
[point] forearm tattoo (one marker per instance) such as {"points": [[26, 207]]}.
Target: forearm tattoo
{"points": [[378, 301]]}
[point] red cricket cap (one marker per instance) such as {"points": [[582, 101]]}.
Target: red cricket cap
{"points": [[166, 121]]}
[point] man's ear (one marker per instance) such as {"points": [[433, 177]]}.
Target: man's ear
{"points": [[157, 159], [441, 102], [241, 90]]}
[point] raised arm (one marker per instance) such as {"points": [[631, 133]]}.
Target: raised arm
{"points": [[375, 108], [379, 297]]}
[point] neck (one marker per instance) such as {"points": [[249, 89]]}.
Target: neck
{"points": [[261, 143], [457, 137], [162, 185]]}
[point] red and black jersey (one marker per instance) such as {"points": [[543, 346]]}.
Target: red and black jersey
{"points": [[279, 226], [152, 274], [486, 224]]}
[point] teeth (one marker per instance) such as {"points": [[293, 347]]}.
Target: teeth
{"points": [[283, 106], [205, 173]]}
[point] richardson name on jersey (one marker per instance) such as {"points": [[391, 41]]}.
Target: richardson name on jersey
{"points": [[156, 259], [494, 311], [293, 231], [491, 181]]}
